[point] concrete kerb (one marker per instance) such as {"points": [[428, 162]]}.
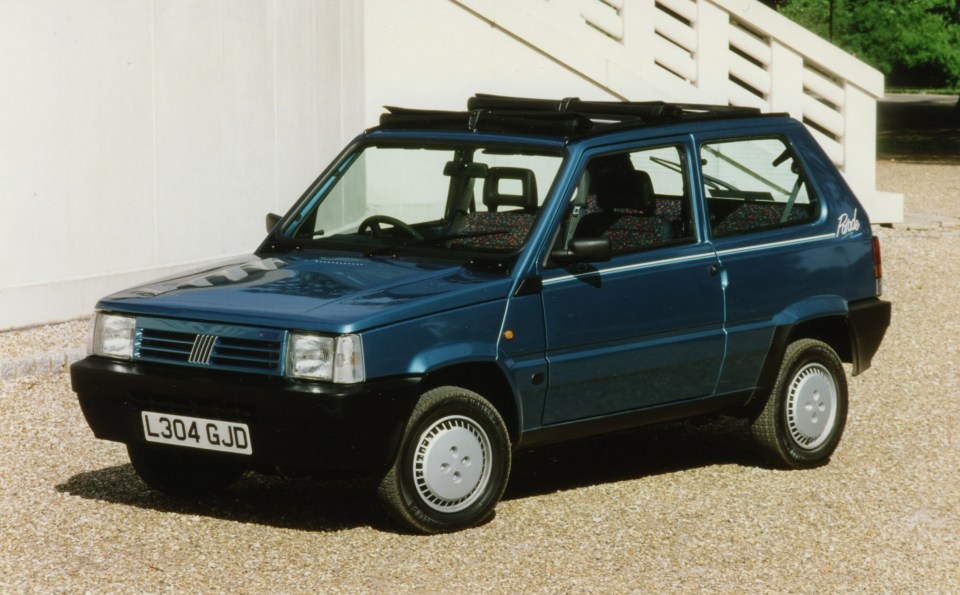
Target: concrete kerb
{"points": [[927, 221], [51, 362]]}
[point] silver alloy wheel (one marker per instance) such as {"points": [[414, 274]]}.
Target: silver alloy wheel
{"points": [[451, 465], [811, 406]]}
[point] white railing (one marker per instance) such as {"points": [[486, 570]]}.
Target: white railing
{"points": [[698, 41], [736, 52]]}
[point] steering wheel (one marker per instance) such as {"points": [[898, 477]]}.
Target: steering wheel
{"points": [[374, 221]]}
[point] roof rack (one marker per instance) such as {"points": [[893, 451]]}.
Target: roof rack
{"points": [[555, 117]]}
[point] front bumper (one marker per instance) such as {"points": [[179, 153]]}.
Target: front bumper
{"points": [[293, 425]]}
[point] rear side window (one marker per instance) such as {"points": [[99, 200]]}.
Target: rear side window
{"points": [[755, 184]]}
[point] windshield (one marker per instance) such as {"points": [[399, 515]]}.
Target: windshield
{"points": [[459, 200]]}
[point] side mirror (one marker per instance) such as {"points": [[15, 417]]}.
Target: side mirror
{"points": [[584, 250], [272, 221]]}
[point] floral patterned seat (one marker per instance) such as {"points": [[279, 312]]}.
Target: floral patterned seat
{"points": [[616, 212], [501, 232], [631, 232], [668, 208], [495, 230], [757, 215]]}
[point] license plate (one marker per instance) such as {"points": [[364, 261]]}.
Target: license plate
{"points": [[195, 432]]}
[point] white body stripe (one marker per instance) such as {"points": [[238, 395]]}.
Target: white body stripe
{"points": [[694, 257]]}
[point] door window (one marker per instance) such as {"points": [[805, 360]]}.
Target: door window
{"points": [[637, 200]]}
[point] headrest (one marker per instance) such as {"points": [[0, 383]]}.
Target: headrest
{"points": [[625, 189], [599, 166], [493, 197]]}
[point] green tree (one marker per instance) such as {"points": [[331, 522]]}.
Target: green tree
{"points": [[913, 42]]}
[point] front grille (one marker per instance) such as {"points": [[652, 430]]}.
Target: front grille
{"points": [[220, 347]]}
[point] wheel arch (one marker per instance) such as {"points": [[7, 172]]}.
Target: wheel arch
{"points": [[488, 380], [832, 329]]}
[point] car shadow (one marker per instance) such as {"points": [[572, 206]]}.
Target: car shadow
{"points": [[315, 504], [633, 454], [326, 504]]}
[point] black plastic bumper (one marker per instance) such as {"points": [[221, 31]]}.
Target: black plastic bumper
{"points": [[869, 320], [294, 425]]}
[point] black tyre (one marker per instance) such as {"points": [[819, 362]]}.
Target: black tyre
{"points": [[181, 474], [453, 464], [804, 416]]}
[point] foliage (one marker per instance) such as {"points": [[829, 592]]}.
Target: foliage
{"points": [[913, 42]]}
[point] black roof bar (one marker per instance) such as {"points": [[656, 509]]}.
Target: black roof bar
{"points": [[554, 117], [654, 110]]}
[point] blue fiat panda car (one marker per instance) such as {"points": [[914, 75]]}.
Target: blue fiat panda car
{"points": [[457, 286]]}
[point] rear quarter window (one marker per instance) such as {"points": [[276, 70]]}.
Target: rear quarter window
{"points": [[755, 184]]}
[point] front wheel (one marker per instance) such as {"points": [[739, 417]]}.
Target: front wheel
{"points": [[453, 464], [803, 419]]}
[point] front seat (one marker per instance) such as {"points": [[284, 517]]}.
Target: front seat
{"points": [[498, 230], [625, 207]]}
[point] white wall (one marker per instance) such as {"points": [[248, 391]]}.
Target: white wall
{"points": [[142, 136], [435, 54]]}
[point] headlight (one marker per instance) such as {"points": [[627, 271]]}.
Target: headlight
{"points": [[112, 335], [335, 359]]}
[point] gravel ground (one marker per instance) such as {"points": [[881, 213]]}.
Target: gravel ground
{"points": [[678, 508]]}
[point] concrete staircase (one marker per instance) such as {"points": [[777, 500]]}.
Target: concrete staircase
{"points": [[736, 52]]}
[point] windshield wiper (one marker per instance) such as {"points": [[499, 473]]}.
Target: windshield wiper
{"points": [[434, 240]]}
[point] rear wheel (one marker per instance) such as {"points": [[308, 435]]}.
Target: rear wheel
{"points": [[453, 464], [181, 474], [803, 419]]}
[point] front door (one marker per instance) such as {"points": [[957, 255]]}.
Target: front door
{"points": [[645, 328]]}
